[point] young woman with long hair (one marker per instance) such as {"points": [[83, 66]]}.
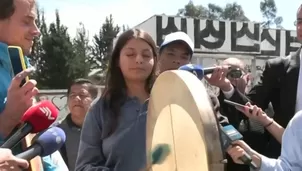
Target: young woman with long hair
{"points": [[114, 132]]}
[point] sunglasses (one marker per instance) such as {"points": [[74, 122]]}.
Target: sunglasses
{"points": [[235, 73]]}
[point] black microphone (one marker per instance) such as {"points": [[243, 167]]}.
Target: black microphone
{"points": [[197, 70], [228, 135], [44, 144]]}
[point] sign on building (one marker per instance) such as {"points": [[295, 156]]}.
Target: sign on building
{"points": [[224, 37], [216, 40]]}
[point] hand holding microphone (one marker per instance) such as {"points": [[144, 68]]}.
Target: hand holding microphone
{"points": [[44, 144], [229, 137], [239, 149], [10, 162], [37, 118], [217, 78]]}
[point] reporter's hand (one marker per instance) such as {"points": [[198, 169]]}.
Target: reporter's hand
{"points": [[218, 78], [238, 150], [8, 162], [256, 114], [19, 99]]}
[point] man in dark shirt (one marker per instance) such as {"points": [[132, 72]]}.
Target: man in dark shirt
{"points": [[79, 97]]}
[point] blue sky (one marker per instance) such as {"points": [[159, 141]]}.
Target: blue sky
{"points": [[132, 12]]}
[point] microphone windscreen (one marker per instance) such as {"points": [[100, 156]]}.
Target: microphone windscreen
{"points": [[232, 133], [41, 115], [50, 140], [197, 70]]}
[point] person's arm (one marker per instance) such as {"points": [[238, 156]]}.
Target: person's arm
{"points": [[90, 156], [259, 95], [6, 123], [291, 155], [255, 113], [223, 120], [275, 129]]}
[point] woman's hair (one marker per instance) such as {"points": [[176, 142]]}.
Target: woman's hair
{"points": [[114, 94]]}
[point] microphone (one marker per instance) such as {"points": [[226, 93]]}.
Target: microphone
{"points": [[228, 135], [44, 144], [36, 119], [197, 70]]}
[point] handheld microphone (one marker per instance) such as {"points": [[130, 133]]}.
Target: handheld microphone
{"points": [[197, 70], [228, 135], [37, 118], [44, 144]]}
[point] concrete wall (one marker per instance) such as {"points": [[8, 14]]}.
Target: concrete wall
{"points": [[59, 99]]}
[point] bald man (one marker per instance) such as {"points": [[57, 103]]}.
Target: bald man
{"points": [[242, 80], [280, 84], [253, 132]]}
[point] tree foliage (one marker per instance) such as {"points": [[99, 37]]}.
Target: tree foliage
{"points": [[60, 59], [269, 10], [232, 11], [102, 46]]}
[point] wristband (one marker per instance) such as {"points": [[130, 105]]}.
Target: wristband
{"points": [[269, 124]]}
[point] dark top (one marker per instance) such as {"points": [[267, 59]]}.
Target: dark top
{"points": [[278, 85], [69, 151]]}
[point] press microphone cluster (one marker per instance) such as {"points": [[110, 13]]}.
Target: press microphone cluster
{"points": [[228, 135], [36, 119], [197, 70], [44, 144]]}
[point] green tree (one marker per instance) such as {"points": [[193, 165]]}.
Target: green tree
{"points": [[269, 10], [214, 11], [232, 11], [56, 67], [81, 63], [102, 46], [125, 28], [191, 10]]}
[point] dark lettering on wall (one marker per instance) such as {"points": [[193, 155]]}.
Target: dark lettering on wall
{"points": [[171, 27], [288, 40], [244, 31], [200, 35], [265, 35]]}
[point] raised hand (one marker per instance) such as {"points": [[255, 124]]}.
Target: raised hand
{"points": [[254, 112], [218, 78], [19, 99]]}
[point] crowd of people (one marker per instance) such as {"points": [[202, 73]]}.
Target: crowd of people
{"points": [[108, 132]]}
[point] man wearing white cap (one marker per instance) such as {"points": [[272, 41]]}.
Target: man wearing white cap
{"points": [[177, 50]]}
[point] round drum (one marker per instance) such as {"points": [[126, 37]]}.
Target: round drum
{"points": [[180, 115]]}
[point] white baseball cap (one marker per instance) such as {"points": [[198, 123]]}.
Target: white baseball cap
{"points": [[178, 36]]}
